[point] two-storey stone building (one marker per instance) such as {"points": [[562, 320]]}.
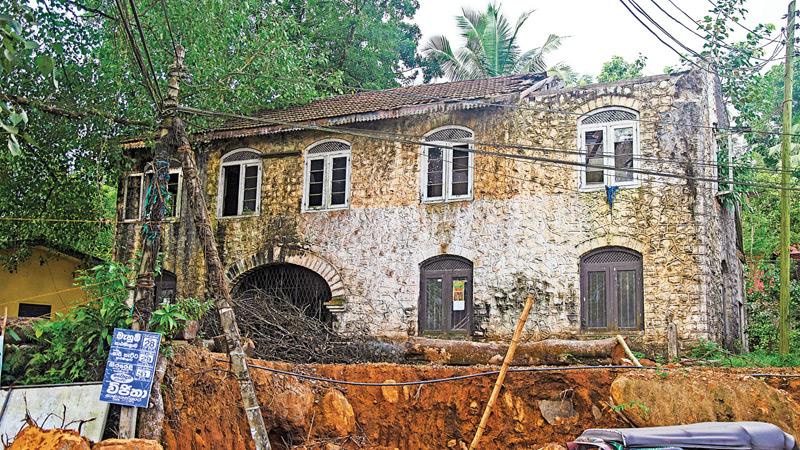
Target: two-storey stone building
{"points": [[436, 209]]}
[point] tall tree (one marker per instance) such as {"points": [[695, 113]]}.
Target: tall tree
{"points": [[372, 42], [490, 48], [617, 68], [241, 55]]}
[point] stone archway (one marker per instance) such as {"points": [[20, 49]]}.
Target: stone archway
{"points": [[297, 285], [297, 257]]}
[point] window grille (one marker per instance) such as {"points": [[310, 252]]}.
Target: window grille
{"points": [[329, 147], [302, 287], [445, 302], [612, 295], [241, 156], [447, 263], [448, 135], [611, 256], [613, 115]]}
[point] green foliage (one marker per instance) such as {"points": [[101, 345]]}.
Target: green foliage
{"points": [[490, 48], [74, 345], [240, 56], [15, 47], [712, 354], [371, 43], [618, 69], [170, 318], [762, 307], [632, 404], [762, 214]]}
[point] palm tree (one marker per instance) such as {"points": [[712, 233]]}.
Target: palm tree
{"points": [[491, 48]]}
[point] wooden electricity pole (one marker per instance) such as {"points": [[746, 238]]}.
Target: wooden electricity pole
{"points": [[786, 148], [142, 297]]}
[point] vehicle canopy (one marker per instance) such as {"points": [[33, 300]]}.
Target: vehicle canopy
{"points": [[707, 435]]}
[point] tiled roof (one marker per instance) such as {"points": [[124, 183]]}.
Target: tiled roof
{"points": [[375, 105]]}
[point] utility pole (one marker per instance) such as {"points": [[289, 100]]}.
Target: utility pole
{"points": [[142, 296], [786, 147]]}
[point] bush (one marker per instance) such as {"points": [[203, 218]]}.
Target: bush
{"points": [[763, 292], [170, 318], [74, 345]]}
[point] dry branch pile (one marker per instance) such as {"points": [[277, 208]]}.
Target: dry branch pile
{"points": [[282, 331]]}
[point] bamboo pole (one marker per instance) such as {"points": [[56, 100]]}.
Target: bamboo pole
{"points": [[219, 289], [503, 370], [628, 351]]}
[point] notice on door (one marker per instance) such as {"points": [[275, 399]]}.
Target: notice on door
{"points": [[459, 292], [130, 368]]}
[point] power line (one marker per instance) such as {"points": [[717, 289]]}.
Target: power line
{"points": [[122, 9], [551, 110], [169, 26], [146, 50], [655, 23], [54, 219], [676, 161], [442, 380], [361, 133], [693, 31], [657, 36]]}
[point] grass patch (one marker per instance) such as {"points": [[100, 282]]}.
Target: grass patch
{"points": [[710, 353]]}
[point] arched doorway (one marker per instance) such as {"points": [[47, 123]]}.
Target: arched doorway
{"points": [[298, 285]]}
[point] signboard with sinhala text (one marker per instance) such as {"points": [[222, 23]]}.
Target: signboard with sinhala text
{"points": [[130, 368]]}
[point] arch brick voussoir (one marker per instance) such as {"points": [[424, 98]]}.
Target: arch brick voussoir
{"points": [[297, 257]]}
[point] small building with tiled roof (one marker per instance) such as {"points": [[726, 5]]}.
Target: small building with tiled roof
{"points": [[436, 209]]}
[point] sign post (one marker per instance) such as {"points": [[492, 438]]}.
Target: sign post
{"points": [[130, 368]]}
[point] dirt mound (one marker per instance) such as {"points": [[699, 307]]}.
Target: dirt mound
{"points": [[692, 395], [203, 405], [203, 413], [32, 437]]}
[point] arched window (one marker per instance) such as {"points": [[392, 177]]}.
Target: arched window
{"points": [[447, 171], [611, 290], [240, 184], [609, 140], [327, 175], [445, 295]]}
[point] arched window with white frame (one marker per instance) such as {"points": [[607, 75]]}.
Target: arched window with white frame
{"points": [[327, 175], [447, 164], [240, 183], [609, 139]]}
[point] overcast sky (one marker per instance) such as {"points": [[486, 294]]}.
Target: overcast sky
{"points": [[598, 29]]}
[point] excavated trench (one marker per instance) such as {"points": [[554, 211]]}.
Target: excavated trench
{"points": [[534, 408]]}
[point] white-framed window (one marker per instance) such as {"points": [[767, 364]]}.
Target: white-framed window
{"points": [[609, 142], [446, 166], [239, 190], [326, 183], [135, 191]]}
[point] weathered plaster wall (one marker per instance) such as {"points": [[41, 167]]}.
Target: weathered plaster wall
{"points": [[525, 230]]}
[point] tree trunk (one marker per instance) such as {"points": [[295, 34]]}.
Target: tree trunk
{"points": [[550, 351], [151, 419], [218, 287]]}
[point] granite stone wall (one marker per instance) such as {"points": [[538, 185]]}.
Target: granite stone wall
{"points": [[524, 230]]}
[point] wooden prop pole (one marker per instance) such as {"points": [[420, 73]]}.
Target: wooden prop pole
{"points": [[628, 351], [503, 370]]}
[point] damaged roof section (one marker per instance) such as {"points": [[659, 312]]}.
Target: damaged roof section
{"points": [[389, 103]]}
